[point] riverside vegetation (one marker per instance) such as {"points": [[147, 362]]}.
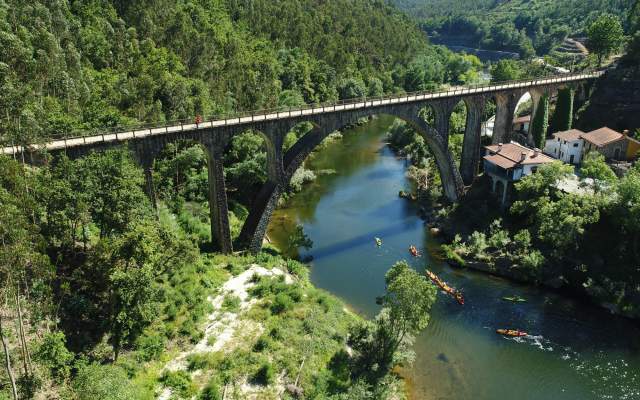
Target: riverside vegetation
{"points": [[103, 298]]}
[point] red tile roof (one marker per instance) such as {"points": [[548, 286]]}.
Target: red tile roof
{"points": [[603, 136], [570, 135], [509, 155]]}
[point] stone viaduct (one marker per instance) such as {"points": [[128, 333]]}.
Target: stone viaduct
{"points": [[215, 135]]}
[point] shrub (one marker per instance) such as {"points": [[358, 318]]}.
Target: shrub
{"points": [[150, 346], [262, 343], [211, 391], [265, 375], [53, 354], [231, 303], [105, 382], [180, 382], [281, 303]]}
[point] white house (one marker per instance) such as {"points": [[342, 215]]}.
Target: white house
{"points": [[521, 124], [507, 163], [566, 146]]}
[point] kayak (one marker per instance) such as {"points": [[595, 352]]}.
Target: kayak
{"points": [[515, 299], [456, 294], [511, 332], [378, 242], [414, 251]]}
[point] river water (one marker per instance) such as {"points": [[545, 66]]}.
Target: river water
{"points": [[575, 351]]}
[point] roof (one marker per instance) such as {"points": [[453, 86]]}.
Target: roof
{"points": [[603, 136], [522, 120], [570, 135], [509, 155]]}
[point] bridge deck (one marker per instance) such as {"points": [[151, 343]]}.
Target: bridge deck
{"points": [[259, 116]]}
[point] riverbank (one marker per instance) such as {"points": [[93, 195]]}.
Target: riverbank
{"points": [[470, 239]]}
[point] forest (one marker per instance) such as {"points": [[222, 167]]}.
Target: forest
{"points": [[527, 27], [76, 66]]}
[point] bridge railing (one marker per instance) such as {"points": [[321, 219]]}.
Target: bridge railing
{"points": [[140, 130]]}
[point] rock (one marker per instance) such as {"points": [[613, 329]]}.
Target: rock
{"points": [[615, 100], [435, 231], [295, 391], [556, 282]]}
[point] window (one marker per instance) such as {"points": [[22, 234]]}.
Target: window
{"points": [[575, 144], [534, 170]]}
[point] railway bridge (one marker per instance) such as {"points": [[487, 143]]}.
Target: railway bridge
{"points": [[214, 135]]}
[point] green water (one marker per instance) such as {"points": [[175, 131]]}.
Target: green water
{"points": [[575, 351]]}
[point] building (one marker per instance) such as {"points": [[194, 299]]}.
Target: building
{"points": [[521, 124], [507, 163], [633, 147], [566, 146], [611, 144]]}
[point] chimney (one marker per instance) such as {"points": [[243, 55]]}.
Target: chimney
{"points": [[625, 132], [523, 156], [499, 147], [536, 152]]}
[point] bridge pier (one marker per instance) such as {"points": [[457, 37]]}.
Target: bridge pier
{"points": [[470, 161], [536, 96], [218, 206], [442, 118], [506, 104]]}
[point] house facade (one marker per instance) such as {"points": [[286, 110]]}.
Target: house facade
{"points": [[510, 162], [611, 144], [566, 146]]}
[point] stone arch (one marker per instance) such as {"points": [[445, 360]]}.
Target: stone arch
{"points": [[257, 222]]}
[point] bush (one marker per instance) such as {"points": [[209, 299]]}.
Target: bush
{"points": [[265, 375], [105, 382], [211, 391], [261, 344], [231, 303], [53, 354], [281, 303], [180, 382], [150, 346]]}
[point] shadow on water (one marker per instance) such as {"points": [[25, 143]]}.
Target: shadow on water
{"points": [[357, 242]]}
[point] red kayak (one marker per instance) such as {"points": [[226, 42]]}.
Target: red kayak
{"points": [[511, 332], [456, 294], [414, 251]]}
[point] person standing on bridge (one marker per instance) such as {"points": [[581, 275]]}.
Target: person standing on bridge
{"points": [[198, 119]]}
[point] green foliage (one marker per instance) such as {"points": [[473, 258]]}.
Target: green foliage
{"points": [[517, 25], [506, 70], [563, 115], [265, 375], [540, 123], [382, 344], [595, 167], [108, 382], [53, 354], [180, 382], [605, 36], [211, 392]]}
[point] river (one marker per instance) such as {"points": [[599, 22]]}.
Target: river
{"points": [[575, 351]]}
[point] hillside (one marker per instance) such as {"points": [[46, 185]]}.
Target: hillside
{"points": [[75, 65], [524, 26]]}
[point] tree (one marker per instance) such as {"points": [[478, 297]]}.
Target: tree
{"points": [[563, 115], [605, 36], [506, 70], [540, 123], [628, 207], [384, 343], [595, 167]]}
